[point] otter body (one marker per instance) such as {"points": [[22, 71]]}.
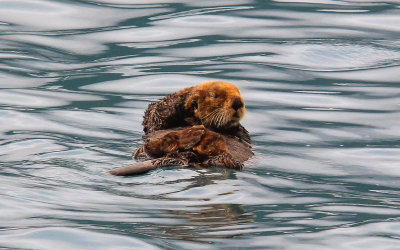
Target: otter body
{"points": [[196, 127]]}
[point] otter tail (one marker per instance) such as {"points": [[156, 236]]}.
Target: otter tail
{"points": [[146, 166]]}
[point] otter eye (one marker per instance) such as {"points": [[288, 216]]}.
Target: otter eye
{"points": [[194, 104]]}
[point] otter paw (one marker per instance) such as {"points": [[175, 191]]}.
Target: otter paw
{"points": [[166, 162], [224, 160], [140, 153]]}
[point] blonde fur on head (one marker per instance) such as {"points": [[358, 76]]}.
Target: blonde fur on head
{"points": [[216, 104]]}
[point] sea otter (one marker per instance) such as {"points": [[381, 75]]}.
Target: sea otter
{"points": [[197, 126], [217, 105]]}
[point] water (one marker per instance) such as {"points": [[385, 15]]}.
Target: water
{"points": [[321, 84]]}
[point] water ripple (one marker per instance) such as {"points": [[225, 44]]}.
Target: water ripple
{"points": [[321, 84]]}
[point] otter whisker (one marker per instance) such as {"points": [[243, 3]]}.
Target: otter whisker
{"points": [[225, 118], [221, 121], [212, 117], [221, 118], [209, 114], [216, 119]]}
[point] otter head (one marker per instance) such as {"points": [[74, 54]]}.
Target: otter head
{"points": [[216, 104]]}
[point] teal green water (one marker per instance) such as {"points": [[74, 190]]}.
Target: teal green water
{"points": [[321, 81]]}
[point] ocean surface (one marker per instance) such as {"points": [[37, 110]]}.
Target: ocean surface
{"points": [[321, 82]]}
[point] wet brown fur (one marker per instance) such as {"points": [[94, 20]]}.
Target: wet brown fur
{"points": [[193, 146], [175, 141], [211, 144], [198, 139]]}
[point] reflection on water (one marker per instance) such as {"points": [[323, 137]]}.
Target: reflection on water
{"points": [[321, 84]]}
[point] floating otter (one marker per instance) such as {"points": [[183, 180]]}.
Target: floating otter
{"points": [[217, 105], [196, 127]]}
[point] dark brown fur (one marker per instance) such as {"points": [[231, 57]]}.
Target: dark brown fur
{"points": [[181, 140], [211, 144], [167, 113], [189, 151], [192, 146]]}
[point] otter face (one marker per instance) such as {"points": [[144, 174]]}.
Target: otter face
{"points": [[216, 104]]}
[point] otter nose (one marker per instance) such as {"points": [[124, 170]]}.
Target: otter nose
{"points": [[237, 104]]}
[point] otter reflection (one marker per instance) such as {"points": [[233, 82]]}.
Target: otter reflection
{"points": [[192, 217]]}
